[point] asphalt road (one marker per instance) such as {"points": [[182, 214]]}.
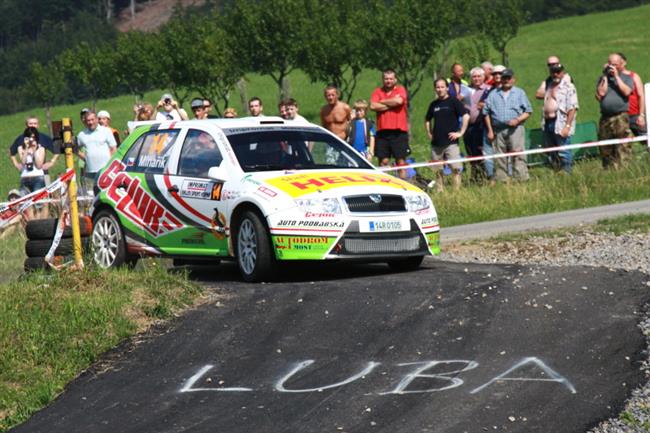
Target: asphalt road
{"points": [[449, 348], [542, 222]]}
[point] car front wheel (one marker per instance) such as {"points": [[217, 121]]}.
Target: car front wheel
{"points": [[107, 241], [254, 253]]}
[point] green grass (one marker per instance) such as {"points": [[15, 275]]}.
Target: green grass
{"points": [[56, 325]]}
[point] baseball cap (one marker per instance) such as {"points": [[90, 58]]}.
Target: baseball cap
{"points": [[104, 113], [196, 103], [498, 69], [166, 96], [507, 73]]}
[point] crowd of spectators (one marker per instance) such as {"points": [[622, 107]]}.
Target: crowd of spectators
{"points": [[487, 114]]}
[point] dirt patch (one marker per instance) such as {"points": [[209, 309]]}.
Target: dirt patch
{"points": [[151, 15]]}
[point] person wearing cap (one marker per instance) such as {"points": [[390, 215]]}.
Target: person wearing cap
{"points": [[104, 119], [506, 110], [96, 147], [170, 109], [446, 130], [550, 63], [559, 117], [488, 150], [198, 109]]}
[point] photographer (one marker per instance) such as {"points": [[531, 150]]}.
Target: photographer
{"points": [[171, 110], [32, 158], [613, 91], [143, 111], [44, 140]]}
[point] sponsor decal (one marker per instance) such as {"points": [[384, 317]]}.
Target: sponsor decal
{"points": [[302, 247], [131, 200], [311, 224], [429, 221], [230, 194], [152, 161], [267, 191], [195, 239], [201, 189], [218, 225], [433, 240], [319, 215], [249, 179], [305, 183]]}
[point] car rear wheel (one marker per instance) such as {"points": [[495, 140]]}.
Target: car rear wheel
{"points": [[107, 241], [254, 253], [406, 264]]}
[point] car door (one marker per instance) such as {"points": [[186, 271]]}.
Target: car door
{"points": [[195, 198]]}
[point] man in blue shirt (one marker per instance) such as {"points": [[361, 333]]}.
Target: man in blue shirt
{"points": [[506, 109]]}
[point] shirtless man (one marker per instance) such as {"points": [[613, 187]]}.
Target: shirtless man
{"points": [[335, 115]]}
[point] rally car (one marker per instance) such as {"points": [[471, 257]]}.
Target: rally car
{"points": [[257, 190]]}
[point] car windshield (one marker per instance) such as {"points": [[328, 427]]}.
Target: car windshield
{"points": [[295, 149]]}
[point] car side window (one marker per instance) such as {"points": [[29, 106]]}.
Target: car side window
{"points": [[151, 151], [199, 153]]}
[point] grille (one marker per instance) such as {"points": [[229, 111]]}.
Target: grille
{"points": [[388, 203], [382, 245]]}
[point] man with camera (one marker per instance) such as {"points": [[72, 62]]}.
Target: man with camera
{"points": [[44, 140], [171, 110], [613, 91]]}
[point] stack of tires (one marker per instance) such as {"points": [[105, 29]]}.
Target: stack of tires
{"points": [[40, 234]]}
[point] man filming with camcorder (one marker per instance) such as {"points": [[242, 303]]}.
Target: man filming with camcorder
{"points": [[613, 91], [170, 109]]}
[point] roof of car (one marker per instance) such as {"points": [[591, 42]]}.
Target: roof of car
{"points": [[223, 123]]}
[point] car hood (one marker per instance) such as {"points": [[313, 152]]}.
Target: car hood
{"points": [[329, 183]]}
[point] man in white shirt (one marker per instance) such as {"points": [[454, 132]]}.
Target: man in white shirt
{"points": [[96, 147]]}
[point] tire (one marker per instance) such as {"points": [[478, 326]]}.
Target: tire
{"points": [[35, 264], [46, 228], [406, 264], [253, 250], [40, 248], [107, 241]]}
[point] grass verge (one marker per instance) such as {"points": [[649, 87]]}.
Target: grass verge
{"points": [[56, 325]]}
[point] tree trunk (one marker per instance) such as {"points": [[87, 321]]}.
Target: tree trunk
{"points": [[109, 10], [285, 91], [48, 117], [243, 94], [132, 7]]}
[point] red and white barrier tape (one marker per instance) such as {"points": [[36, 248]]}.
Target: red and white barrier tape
{"points": [[9, 210], [523, 152]]}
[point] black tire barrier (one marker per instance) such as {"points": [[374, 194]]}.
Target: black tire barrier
{"points": [[40, 247], [45, 229], [35, 264]]}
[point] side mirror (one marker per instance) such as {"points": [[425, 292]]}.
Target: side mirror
{"points": [[218, 173]]}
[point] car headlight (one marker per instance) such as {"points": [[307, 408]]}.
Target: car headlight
{"points": [[416, 203], [319, 205]]}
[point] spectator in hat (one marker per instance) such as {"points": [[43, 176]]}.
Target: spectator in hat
{"points": [[550, 63], [488, 150], [104, 119], [506, 109], [198, 109], [170, 109], [558, 117]]}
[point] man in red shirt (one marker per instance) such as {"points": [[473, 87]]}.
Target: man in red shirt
{"points": [[390, 102]]}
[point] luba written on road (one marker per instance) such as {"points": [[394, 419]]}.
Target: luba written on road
{"points": [[520, 371]]}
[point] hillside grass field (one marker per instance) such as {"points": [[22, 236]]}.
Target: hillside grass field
{"points": [[582, 43]]}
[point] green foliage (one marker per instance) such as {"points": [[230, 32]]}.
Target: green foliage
{"points": [[137, 61], [339, 52], [500, 22]]}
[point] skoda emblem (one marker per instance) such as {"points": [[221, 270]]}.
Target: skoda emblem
{"points": [[376, 198]]}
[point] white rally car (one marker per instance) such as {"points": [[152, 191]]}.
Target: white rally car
{"points": [[259, 190]]}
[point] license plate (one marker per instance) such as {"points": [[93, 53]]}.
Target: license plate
{"points": [[383, 226]]}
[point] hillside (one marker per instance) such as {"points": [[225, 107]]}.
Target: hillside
{"points": [[582, 43], [151, 15]]}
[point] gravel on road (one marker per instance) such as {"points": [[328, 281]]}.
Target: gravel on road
{"points": [[629, 251]]}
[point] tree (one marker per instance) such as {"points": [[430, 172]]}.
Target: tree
{"points": [[46, 86], [268, 36], [336, 53], [500, 21], [406, 34], [94, 68], [137, 61]]}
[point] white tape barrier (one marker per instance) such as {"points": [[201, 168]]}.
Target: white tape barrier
{"points": [[614, 141]]}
